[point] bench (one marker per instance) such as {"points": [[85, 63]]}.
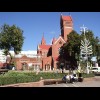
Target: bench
{"points": [[53, 81], [3, 71]]}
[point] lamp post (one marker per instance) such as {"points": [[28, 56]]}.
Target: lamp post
{"points": [[86, 48]]}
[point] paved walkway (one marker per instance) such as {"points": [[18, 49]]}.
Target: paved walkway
{"points": [[90, 83]]}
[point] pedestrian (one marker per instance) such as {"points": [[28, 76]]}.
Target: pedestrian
{"points": [[80, 77], [75, 77], [71, 78], [68, 78], [64, 78]]}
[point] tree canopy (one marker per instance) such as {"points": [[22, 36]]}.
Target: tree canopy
{"points": [[11, 38], [71, 50]]}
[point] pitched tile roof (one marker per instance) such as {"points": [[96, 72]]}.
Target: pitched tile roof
{"points": [[46, 47], [68, 18]]}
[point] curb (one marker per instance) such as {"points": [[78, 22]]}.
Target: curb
{"points": [[88, 79], [30, 84]]}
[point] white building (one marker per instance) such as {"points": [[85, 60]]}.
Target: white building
{"points": [[2, 57], [29, 53]]}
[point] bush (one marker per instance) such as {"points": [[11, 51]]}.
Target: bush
{"points": [[88, 75], [13, 77], [7, 80], [51, 75], [18, 79]]}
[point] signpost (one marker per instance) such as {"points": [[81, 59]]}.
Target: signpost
{"points": [[86, 48]]}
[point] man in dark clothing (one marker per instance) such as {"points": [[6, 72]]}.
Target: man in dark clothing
{"points": [[64, 78]]}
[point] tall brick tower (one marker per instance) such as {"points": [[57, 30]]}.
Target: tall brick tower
{"points": [[66, 25]]}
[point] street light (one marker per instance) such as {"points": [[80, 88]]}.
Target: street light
{"points": [[86, 48]]}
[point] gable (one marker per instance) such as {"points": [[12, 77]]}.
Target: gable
{"points": [[60, 40]]}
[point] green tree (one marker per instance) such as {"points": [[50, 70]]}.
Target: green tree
{"points": [[11, 38], [71, 50], [73, 43], [94, 41], [97, 49]]}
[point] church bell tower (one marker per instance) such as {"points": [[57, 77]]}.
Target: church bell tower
{"points": [[66, 25]]}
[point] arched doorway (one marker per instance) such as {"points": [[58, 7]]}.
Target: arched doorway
{"points": [[30, 66], [24, 66], [47, 67]]}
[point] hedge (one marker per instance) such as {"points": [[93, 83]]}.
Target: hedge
{"points": [[24, 77]]}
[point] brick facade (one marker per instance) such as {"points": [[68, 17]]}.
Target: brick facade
{"points": [[47, 55]]}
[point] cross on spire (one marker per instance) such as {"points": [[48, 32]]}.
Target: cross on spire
{"points": [[83, 28]]}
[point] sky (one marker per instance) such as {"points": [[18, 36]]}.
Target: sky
{"points": [[35, 24]]}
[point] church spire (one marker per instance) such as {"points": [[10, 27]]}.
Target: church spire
{"points": [[43, 42], [53, 40]]}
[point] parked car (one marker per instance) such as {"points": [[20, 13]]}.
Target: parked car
{"points": [[95, 70]]}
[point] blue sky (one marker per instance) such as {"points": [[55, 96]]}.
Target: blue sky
{"points": [[34, 24]]}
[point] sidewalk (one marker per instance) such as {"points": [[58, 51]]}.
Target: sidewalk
{"points": [[87, 82]]}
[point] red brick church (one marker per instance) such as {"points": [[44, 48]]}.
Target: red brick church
{"points": [[49, 53]]}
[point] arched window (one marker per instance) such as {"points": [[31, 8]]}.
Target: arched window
{"points": [[60, 42], [59, 49]]}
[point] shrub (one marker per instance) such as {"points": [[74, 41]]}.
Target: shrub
{"points": [[88, 75], [13, 77]]}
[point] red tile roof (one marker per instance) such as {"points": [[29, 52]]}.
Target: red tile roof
{"points": [[68, 18], [46, 47]]}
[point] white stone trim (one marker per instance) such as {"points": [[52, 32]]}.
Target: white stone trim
{"points": [[50, 67], [68, 27], [38, 47], [58, 39]]}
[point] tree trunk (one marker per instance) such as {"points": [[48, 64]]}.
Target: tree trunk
{"points": [[10, 58]]}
